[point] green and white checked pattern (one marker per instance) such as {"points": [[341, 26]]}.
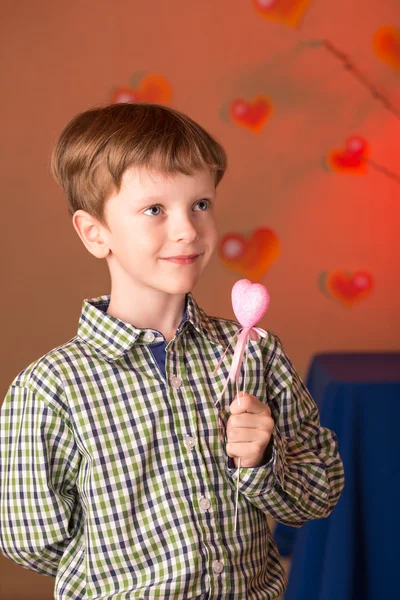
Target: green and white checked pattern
{"points": [[117, 482]]}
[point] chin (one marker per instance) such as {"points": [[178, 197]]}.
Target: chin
{"points": [[181, 287]]}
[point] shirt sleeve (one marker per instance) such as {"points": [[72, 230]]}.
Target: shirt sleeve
{"points": [[39, 463], [305, 477]]}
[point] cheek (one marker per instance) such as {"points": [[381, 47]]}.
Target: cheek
{"points": [[139, 237], [213, 235], [132, 246]]}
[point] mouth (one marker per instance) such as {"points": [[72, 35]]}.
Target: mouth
{"points": [[183, 259]]}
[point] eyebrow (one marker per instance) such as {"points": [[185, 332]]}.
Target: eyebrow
{"points": [[160, 198]]}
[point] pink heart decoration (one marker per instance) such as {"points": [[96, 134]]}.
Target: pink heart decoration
{"points": [[250, 302]]}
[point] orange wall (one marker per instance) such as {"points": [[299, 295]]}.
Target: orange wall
{"points": [[60, 58]]}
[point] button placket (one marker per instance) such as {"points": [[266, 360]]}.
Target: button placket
{"points": [[204, 503]]}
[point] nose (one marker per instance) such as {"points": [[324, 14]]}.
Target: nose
{"points": [[182, 228]]}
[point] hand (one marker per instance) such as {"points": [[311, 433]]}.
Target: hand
{"points": [[248, 431]]}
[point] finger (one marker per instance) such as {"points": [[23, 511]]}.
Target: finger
{"points": [[245, 450], [249, 404], [250, 421], [245, 436], [245, 401]]}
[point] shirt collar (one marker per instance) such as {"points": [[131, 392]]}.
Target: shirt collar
{"points": [[112, 337]]}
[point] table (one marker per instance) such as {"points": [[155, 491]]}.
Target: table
{"points": [[353, 553]]}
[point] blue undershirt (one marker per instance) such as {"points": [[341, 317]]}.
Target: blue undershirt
{"points": [[158, 349]]}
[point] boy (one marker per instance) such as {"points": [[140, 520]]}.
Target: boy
{"points": [[117, 477]]}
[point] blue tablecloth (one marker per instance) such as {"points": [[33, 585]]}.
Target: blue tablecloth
{"points": [[354, 553]]}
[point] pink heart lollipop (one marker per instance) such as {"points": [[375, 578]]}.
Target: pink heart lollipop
{"points": [[250, 302]]}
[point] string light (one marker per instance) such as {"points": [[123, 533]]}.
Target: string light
{"points": [[349, 66]]}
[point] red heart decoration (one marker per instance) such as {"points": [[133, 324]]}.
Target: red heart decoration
{"points": [[149, 88], [349, 288], [251, 257], [252, 115], [352, 159], [386, 45], [289, 12]]}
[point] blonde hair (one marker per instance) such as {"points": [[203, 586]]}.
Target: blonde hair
{"points": [[97, 146]]}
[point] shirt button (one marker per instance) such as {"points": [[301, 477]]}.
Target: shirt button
{"points": [[176, 382], [205, 503], [190, 442], [149, 336], [218, 567]]}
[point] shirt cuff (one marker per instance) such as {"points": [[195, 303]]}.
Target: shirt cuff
{"points": [[256, 481]]}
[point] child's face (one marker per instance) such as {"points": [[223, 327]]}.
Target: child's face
{"points": [[154, 217]]}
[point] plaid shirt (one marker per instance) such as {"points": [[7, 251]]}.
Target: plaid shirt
{"points": [[114, 476]]}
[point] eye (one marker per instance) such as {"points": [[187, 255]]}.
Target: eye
{"points": [[205, 201], [150, 207]]}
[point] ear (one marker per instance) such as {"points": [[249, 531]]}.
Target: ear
{"points": [[91, 233]]}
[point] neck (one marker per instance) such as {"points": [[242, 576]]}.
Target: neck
{"points": [[151, 309]]}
